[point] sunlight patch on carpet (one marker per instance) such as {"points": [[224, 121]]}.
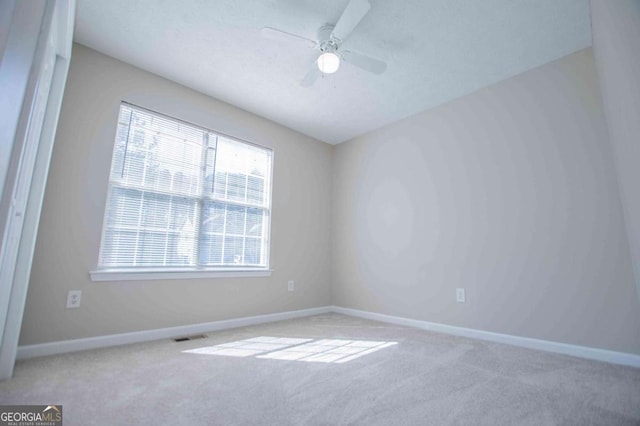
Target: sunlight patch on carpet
{"points": [[294, 349]]}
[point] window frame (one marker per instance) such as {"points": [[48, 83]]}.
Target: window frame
{"points": [[197, 271]]}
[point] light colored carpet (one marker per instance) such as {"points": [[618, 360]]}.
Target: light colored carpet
{"points": [[424, 379]]}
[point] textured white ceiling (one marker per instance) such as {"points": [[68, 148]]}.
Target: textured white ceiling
{"points": [[436, 50]]}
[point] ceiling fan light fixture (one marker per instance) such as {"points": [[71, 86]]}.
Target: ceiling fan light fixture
{"points": [[328, 62]]}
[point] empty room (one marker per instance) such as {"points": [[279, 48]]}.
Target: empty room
{"points": [[367, 212]]}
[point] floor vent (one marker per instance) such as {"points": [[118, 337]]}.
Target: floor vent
{"points": [[184, 339]]}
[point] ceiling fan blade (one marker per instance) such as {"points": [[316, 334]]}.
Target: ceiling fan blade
{"points": [[352, 15], [279, 35], [311, 76], [364, 62]]}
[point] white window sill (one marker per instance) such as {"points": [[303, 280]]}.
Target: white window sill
{"points": [[168, 274]]}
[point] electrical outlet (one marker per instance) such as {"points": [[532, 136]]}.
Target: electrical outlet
{"points": [[291, 285], [460, 295], [73, 298]]}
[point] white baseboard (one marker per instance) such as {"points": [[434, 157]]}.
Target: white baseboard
{"points": [[65, 346], [613, 357]]}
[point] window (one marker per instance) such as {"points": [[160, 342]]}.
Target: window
{"points": [[182, 198]]}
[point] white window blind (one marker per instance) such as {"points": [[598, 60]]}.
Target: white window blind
{"points": [[183, 197]]}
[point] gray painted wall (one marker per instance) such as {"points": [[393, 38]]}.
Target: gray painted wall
{"points": [[616, 44], [509, 193], [71, 222]]}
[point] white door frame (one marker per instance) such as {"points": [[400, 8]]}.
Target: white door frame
{"points": [[23, 192]]}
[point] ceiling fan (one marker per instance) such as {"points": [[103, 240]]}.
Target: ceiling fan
{"points": [[330, 39]]}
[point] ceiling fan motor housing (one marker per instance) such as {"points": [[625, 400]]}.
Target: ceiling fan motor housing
{"points": [[325, 41]]}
